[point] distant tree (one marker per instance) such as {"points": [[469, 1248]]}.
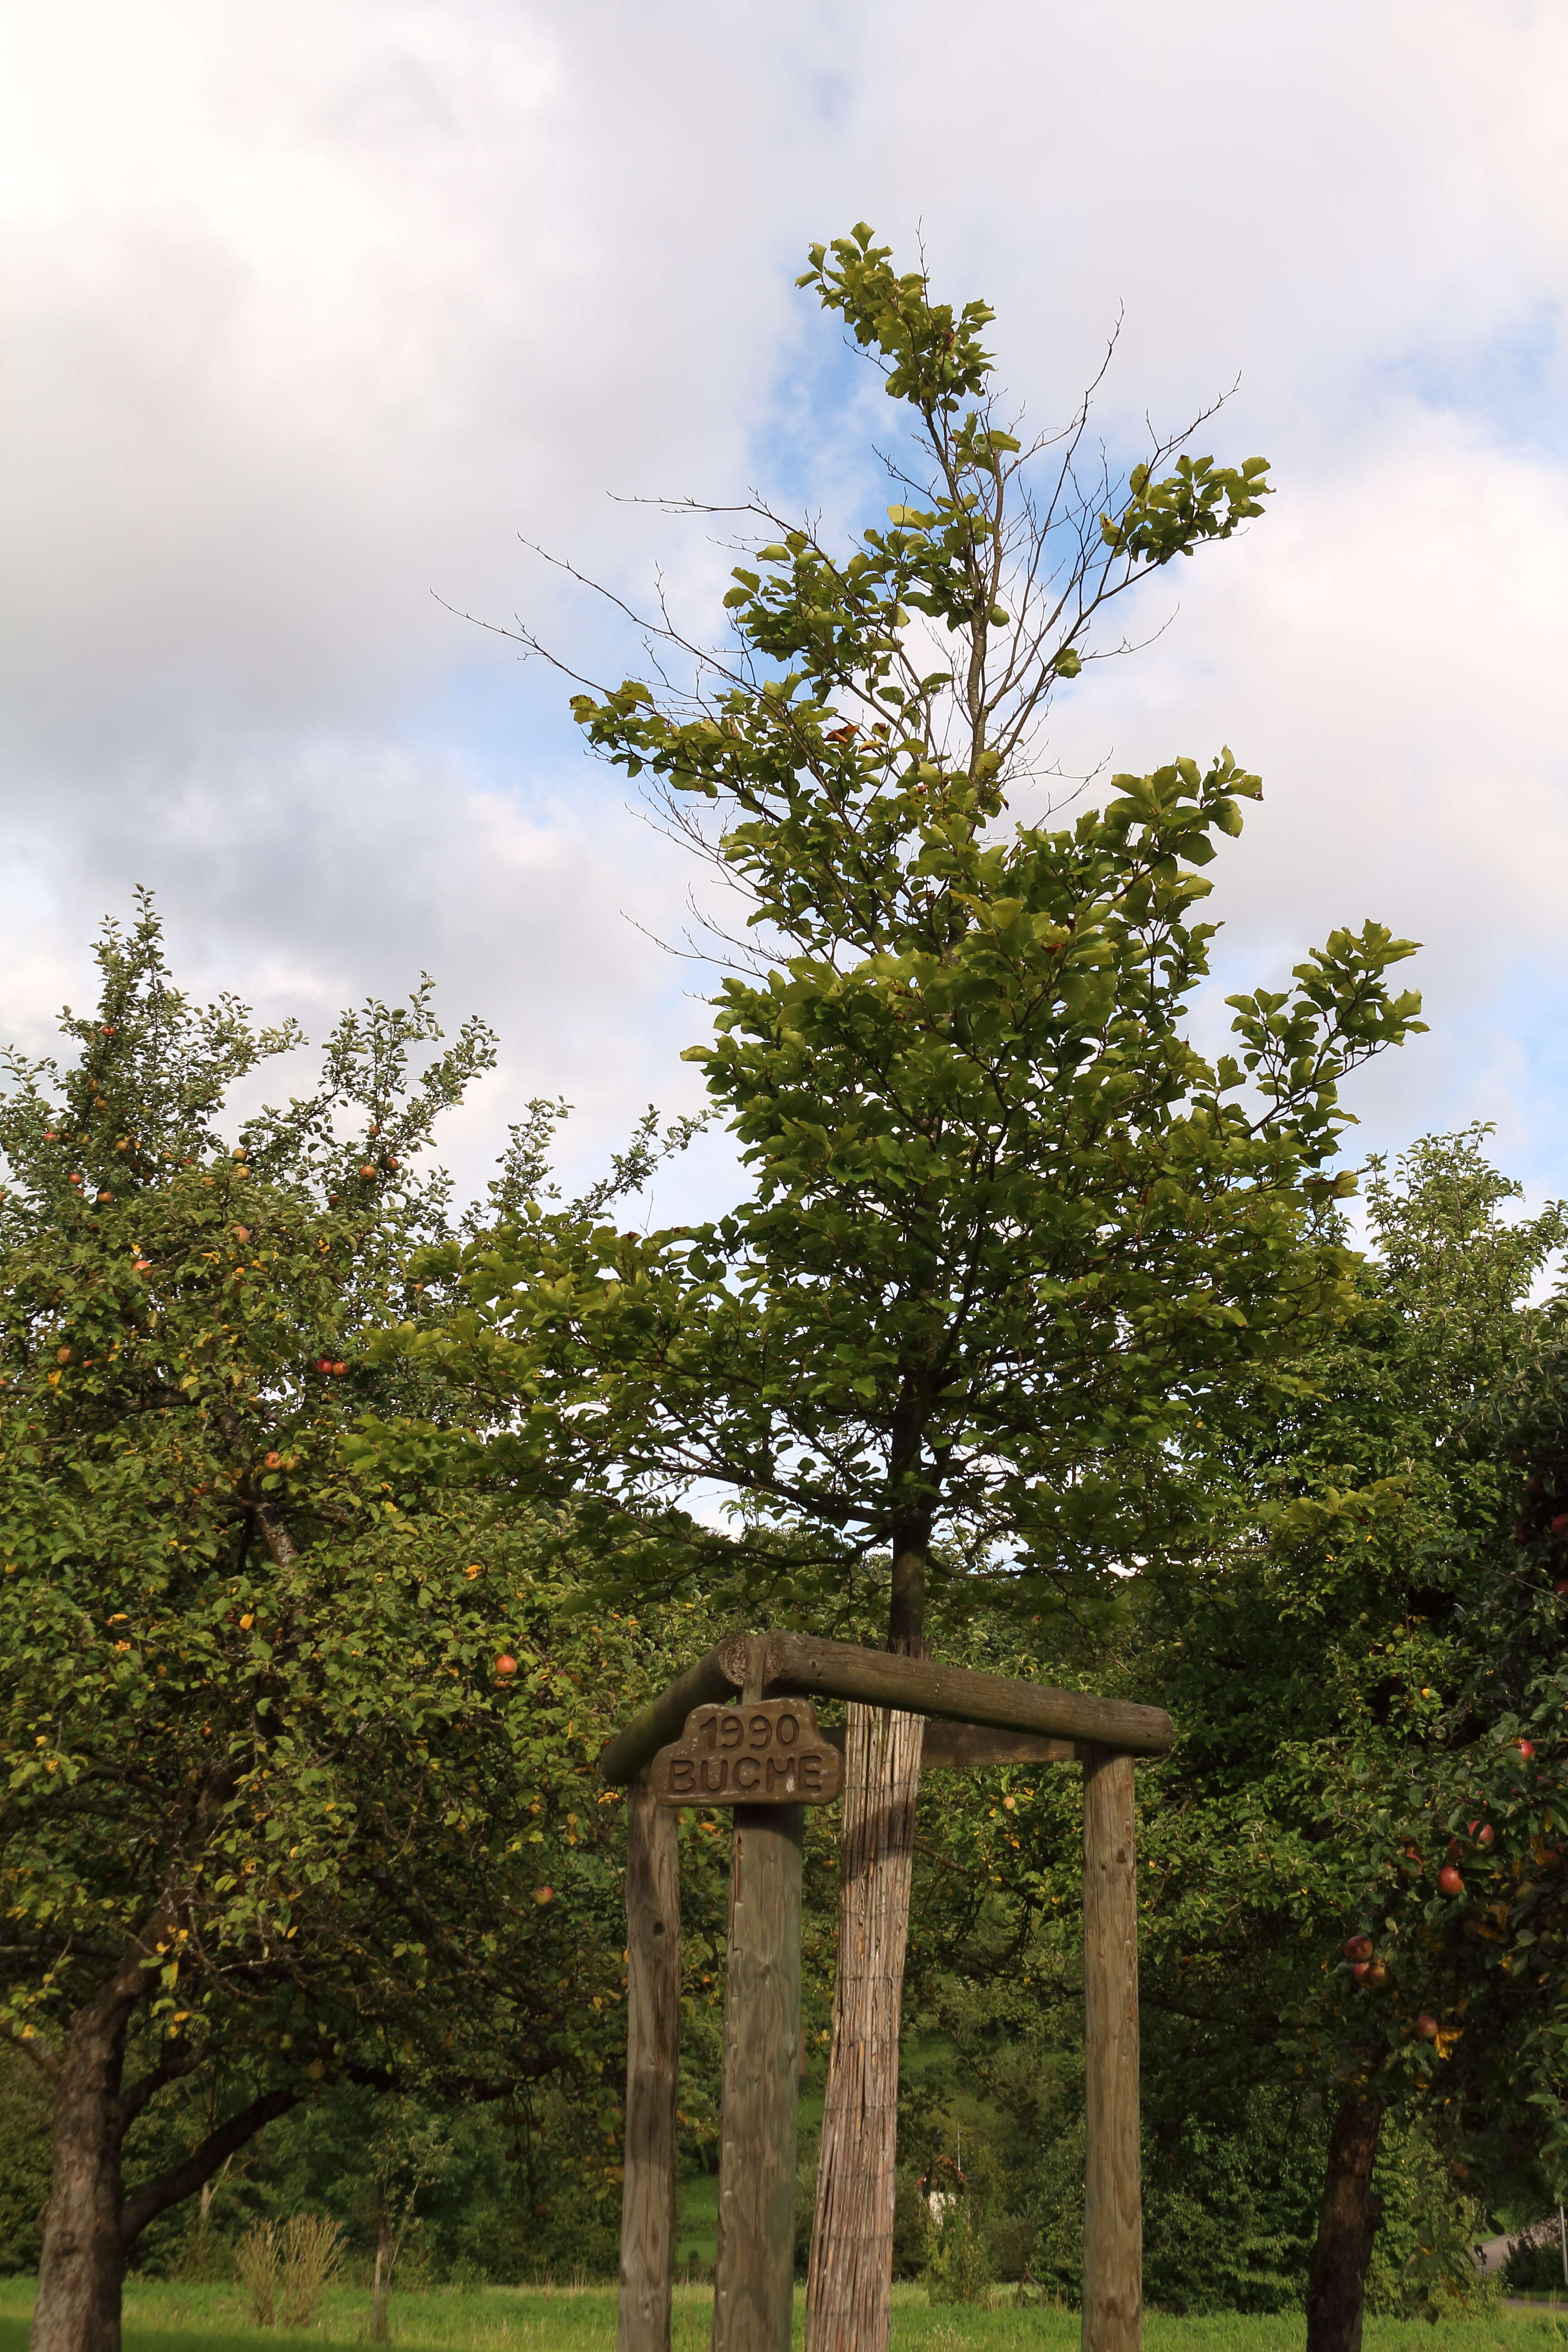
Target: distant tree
{"points": [[1016, 1244], [291, 1756], [1350, 1673]]}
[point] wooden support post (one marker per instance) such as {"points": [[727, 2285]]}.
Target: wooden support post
{"points": [[653, 2058], [753, 2287], [1113, 2203]]}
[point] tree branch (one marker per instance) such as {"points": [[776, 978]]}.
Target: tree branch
{"points": [[43, 2058], [155, 2197]]}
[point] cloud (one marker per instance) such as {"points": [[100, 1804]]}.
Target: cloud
{"points": [[315, 312]]}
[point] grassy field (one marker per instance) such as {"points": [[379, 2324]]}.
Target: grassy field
{"points": [[162, 2318]]}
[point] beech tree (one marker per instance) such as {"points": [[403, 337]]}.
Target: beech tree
{"points": [[1014, 1244], [291, 1755]]}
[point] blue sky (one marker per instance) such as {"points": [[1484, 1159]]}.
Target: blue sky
{"points": [[313, 313]]}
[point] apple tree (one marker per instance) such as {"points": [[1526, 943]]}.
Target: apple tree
{"points": [[291, 1759], [1355, 1887]]}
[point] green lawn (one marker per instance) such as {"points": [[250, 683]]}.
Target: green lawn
{"points": [[162, 2318]]}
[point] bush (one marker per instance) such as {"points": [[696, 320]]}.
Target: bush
{"points": [[256, 2268], [960, 2268], [313, 2250]]}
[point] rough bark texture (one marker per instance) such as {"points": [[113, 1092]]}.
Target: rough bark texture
{"points": [[1113, 2203], [753, 2279], [850, 2287], [77, 2308], [89, 2225], [1347, 2224], [653, 2058]]}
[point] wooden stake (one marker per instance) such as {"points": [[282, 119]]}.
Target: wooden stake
{"points": [[753, 2287], [1113, 2204], [653, 2058]]}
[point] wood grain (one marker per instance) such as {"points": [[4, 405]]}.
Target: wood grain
{"points": [[798, 1662], [717, 1676], [753, 2287], [848, 2291], [653, 2059], [1113, 2205]]}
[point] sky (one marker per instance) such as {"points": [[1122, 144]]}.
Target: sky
{"points": [[320, 320]]}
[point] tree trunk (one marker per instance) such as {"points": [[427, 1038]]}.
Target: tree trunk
{"points": [[1347, 2224], [77, 2308], [381, 2283], [850, 2287]]}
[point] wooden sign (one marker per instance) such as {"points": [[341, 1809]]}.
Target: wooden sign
{"points": [[768, 1751]]}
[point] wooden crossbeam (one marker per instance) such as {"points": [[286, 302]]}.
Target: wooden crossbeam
{"points": [[957, 1695]]}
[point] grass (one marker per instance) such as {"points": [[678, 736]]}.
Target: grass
{"points": [[161, 2318]]}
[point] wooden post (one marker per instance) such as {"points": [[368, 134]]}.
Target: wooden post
{"points": [[1113, 2204], [753, 2287], [848, 2291], [653, 2057]]}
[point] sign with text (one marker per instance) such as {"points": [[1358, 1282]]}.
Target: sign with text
{"points": [[769, 1752]]}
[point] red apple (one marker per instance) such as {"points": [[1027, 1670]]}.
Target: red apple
{"points": [[1377, 1974], [1427, 2027], [340, 1366], [544, 1895], [324, 1363], [273, 1461], [1525, 1746], [506, 1664], [1360, 1969], [1561, 1587], [1359, 1949], [1448, 1880], [1560, 1524], [1485, 1834]]}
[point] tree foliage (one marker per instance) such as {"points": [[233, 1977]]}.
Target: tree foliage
{"points": [[293, 1760], [1013, 1238]]}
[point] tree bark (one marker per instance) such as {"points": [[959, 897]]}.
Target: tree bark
{"points": [[77, 2308], [1347, 2224], [88, 2225], [849, 2293], [381, 2283]]}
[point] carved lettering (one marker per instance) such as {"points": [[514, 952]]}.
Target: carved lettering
{"points": [[770, 1753]]}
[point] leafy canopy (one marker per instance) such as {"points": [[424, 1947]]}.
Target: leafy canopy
{"points": [[1014, 1239], [268, 1806]]}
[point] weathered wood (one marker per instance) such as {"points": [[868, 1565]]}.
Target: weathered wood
{"points": [[848, 2289], [717, 1676], [798, 1662], [970, 1746], [765, 1751], [753, 2278], [1113, 2204], [653, 2059]]}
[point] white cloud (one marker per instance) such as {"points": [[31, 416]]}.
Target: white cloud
{"points": [[313, 311]]}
